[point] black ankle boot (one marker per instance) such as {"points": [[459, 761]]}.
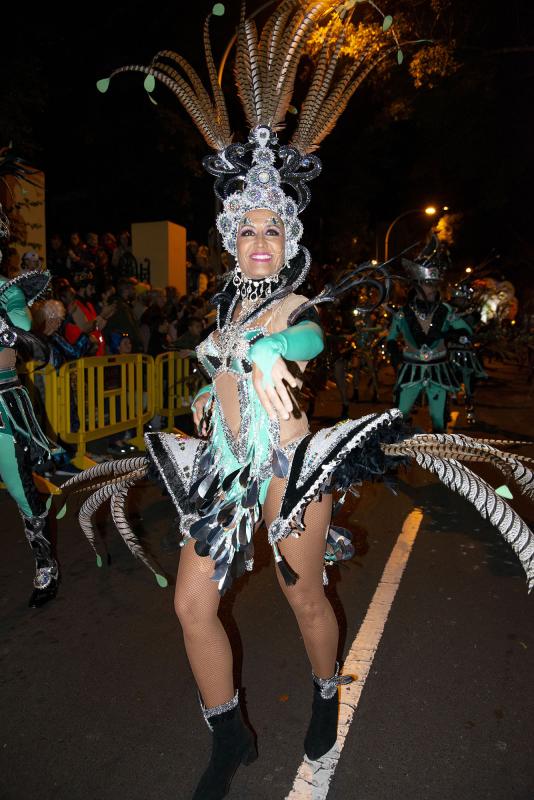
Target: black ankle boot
{"points": [[233, 744], [42, 594], [46, 581], [322, 731]]}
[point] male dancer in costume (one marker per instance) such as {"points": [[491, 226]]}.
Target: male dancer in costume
{"points": [[23, 444], [426, 325]]}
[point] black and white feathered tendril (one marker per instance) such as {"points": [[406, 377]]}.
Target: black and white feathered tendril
{"points": [[111, 481], [442, 454]]}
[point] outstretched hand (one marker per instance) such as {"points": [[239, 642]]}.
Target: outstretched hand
{"points": [[274, 397]]}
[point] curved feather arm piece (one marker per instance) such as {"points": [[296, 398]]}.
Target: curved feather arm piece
{"points": [[136, 475], [85, 514], [118, 514], [119, 466], [372, 277], [465, 448], [489, 505], [116, 492]]}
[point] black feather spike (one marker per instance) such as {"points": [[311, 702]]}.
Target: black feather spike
{"points": [[243, 531], [279, 463], [202, 549], [251, 495], [229, 480], [243, 478]]}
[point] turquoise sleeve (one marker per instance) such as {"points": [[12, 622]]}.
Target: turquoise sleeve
{"points": [[200, 392], [459, 324], [300, 342], [394, 330], [17, 310]]}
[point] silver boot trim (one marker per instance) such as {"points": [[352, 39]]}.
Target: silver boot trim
{"points": [[328, 686], [208, 713]]}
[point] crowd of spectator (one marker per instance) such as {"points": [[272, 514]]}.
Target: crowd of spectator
{"points": [[100, 302], [103, 303]]}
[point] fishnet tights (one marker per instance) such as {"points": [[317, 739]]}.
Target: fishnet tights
{"points": [[305, 554], [197, 602]]}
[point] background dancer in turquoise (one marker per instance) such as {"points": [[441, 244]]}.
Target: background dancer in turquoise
{"points": [[425, 325], [23, 444]]}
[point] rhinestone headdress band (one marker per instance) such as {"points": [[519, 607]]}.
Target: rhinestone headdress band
{"points": [[261, 183]]}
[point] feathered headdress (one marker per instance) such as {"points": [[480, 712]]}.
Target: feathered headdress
{"points": [[251, 175]]}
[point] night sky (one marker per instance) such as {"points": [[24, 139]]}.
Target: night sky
{"points": [[115, 159]]}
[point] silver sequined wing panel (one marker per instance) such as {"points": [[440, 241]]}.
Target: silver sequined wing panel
{"points": [[316, 459], [176, 460]]}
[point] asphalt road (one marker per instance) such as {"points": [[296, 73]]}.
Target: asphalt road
{"points": [[98, 703]]}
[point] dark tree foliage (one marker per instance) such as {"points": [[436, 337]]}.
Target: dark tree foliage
{"points": [[451, 125]]}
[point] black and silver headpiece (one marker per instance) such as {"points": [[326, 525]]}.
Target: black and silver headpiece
{"points": [[260, 184], [430, 265]]}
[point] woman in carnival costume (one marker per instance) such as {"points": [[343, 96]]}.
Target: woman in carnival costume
{"points": [[23, 445], [257, 460]]}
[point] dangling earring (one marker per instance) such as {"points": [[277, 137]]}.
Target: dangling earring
{"points": [[237, 280]]}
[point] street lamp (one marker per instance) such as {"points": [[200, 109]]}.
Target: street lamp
{"points": [[429, 211]]}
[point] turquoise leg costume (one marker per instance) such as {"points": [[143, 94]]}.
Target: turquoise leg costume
{"points": [[23, 444], [424, 364]]}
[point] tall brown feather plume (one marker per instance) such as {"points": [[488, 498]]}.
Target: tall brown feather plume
{"points": [[319, 87], [204, 121], [196, 83], [312, 132], [247, 70], [221, 117], [270, 45], [285, 66], [254, 68], [268, 40]]}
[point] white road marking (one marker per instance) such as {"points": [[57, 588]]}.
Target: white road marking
{"points": [[313, 777]]}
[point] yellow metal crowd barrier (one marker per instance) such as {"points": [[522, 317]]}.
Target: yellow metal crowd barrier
{"points": [[176, 385], [111, 394], [99, 396]]}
